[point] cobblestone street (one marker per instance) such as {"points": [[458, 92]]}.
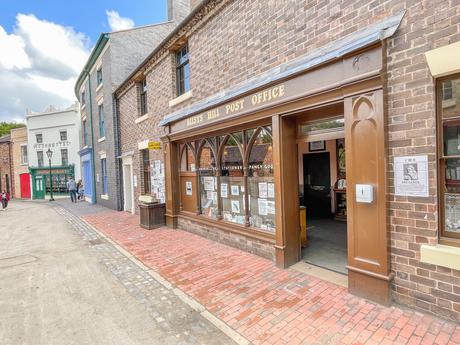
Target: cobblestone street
{"points": [[62, 283]]}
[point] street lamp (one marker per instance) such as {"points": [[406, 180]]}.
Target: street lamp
{"points": [[49, 153]]}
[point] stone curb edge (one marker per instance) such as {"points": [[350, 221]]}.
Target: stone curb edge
{"points": [[190, 301]]}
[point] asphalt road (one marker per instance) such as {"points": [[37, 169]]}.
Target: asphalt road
{"points": [[59, 287]]}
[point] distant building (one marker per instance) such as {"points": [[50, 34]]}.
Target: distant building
{"points": [[114, 57], [56, 131], [6, 169], [20, 161]]}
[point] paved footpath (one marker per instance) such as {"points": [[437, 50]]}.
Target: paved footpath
{"points": [[265, 304], [61, 283]]}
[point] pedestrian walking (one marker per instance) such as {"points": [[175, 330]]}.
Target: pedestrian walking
{"points": [[5, 198], [80, 190], [72, 187]]}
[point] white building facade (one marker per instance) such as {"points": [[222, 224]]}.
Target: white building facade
{"points": [[57, 132]]}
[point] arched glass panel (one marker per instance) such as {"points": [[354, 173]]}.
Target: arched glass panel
{"points": [[208, 181], [232, 181], [261, 182]]}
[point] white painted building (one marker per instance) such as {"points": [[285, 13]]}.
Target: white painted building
{"points": [[58, 131]]}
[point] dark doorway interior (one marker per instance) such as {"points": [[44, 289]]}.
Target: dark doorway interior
{"points": [[317, 184]]}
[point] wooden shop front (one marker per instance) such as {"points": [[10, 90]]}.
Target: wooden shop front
{"points": [[232, 160]]}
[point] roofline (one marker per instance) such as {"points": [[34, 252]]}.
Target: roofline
{"points": [[141, 27], [163, 43], [100, 44], [70, 109]]}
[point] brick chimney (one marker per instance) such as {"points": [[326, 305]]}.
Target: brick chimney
{"points": [[179, 9]]}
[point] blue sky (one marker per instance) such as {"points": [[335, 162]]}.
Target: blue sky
{"points": [[45, 43]]}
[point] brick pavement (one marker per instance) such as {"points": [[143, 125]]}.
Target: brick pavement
{"points": [[265, 304]]}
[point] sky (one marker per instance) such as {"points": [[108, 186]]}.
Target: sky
{"points": [[44, 44]]}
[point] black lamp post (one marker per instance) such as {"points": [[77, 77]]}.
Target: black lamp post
{"points": [[49, 153]]}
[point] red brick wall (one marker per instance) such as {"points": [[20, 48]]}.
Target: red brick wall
{"points": [[244, 38]]}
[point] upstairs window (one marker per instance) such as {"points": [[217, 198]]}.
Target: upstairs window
{"points": [[40, 159], [24, 158], [64, 157], [83, 98], [85, 133], [63, 135], [101, 121], [143, 97], [39, 138], [105, 181], [448, 105], [99, 76], [182, 70]]}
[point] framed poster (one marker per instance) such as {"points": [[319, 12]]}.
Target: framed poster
{"points": [[224, 190], [235, 190], [411, 176], [263, 190], [236, 206], [208, 183], [316, 145]]}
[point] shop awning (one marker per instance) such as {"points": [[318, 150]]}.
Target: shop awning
{"points": [[335, 50]]}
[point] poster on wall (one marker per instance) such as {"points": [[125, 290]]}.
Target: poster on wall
{"points": [[188, 188], [263, 192], [224, 190], [262, 204], [271, 190], [411, 176], [208, 183], [235, 190]]}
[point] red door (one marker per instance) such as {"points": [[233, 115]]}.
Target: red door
{"points": [[24, 180]]}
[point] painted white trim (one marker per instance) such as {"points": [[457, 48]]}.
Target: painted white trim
{"points": [[102, 155], [441, 255], [104, 197], [144, 144], [100, 140], [180, 99], [99, 87], [142, 118], [127, 163], [100, 99]]}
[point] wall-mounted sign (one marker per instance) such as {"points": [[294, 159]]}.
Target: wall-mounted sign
{"points": [[411, 176], [188, 188], [317, 145], [154, 145]]}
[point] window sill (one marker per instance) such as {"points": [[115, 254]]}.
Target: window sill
{"points": [[441, 255], [142, 118], [100, 140], [180, 99], [104, 197]]}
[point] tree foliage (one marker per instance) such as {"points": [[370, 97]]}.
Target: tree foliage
{"points": [[6, 127]]}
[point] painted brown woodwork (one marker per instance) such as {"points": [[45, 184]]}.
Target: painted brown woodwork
{"points": [[287, 248], [367, 224], [171, 159], [188, 202]]}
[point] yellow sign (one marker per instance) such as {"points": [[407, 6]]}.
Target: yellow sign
{"points": [[154, 145]]}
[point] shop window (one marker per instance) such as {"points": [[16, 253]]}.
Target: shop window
{"points": [[261, 184], [208, 180], [104, 176], [146, 171], [143, 97], [187, 158], [449, 155], [231, 179], [101, 121], [40, 159], [64, 157], [182, 70]]}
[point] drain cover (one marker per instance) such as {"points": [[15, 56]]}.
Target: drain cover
{"points": [[16, 260]]}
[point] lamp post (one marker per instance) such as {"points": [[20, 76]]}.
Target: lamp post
{"points": [[49, 153]]}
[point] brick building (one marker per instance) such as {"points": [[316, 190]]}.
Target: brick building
{"points": [[6, 168], [113, 58], [361, 87], [20, 159]]}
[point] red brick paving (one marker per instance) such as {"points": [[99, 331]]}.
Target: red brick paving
{"points": [[265, 304]]}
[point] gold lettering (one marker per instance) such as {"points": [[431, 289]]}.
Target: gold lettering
{"points": [[212, 114], [234, 106], [268, 95], [194, 120]]}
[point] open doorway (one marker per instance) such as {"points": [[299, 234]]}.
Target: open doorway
{"points": [[322, 190]]}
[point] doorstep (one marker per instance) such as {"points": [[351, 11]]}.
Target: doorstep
{"points": [[263, 303]]}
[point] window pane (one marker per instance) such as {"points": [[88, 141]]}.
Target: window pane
{"points": [[208, 182], [232, 182], [451, 135], [322, 126], [452, 195], [450, 98], [261, 183]]}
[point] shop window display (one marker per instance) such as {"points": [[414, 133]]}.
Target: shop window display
{"points": [[232, 179], [208, 180], [187, 158], [261, 182]]}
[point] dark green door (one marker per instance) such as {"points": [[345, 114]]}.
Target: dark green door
{"points": [[39, 187]]}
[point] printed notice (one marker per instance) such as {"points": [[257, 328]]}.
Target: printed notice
{"points": [[224, 190], [271, 190], [262, 203], [411, 176], [263, 190], [236, 206], [235, 190], [208, 183], [188, 188]]}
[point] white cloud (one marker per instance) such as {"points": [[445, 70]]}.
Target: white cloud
{"points": [[116, 22], [39, 63]]}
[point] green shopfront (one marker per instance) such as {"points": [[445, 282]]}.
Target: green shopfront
{"points": [[41, 185]]}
